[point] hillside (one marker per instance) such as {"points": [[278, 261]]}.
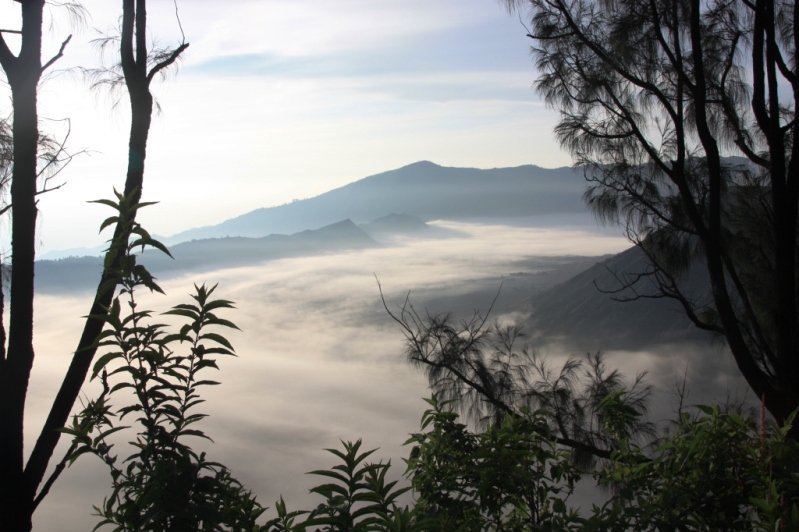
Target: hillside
{"points": [[581, 312], [82, 273]]}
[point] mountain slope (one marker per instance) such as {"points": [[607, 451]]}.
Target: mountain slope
{"points": [[208, 254], [424, 190], [393, 226], [581, 313], [64, 275]]}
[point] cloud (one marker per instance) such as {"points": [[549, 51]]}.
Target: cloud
{"points": [[317, 27], [319, 360]]}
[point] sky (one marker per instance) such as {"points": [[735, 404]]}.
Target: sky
{"points": [[278, 100]]}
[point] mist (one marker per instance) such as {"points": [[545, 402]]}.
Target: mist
{"points": [[320, 361]]}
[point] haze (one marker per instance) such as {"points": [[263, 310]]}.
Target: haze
{"points": [[319, 361], [277, 100]]}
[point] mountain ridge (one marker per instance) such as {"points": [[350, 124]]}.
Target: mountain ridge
{"points": [[71, 273], [423, 189]]}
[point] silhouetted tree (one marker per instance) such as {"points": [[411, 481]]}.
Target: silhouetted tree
{"points": [[653, 96], [20, 482], [490, 374]]}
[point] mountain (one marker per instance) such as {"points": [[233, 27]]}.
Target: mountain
{"points": [[424, 190], [80, 273], [394, 226], [57, 254], [582, 313], [210, 254]]}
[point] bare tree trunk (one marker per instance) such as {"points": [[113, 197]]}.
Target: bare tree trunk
{"points": [[23, 73], [137, 79]]}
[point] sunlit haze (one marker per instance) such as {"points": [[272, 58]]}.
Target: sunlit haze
{"points": [[319, 359], [276, 100], [283, 100]]}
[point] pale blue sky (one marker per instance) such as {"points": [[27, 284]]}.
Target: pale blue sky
{"points": [[283, 99]]}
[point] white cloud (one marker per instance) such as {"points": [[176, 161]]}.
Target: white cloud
{"points": [[316, 27], [318, 358], [320, 361]]}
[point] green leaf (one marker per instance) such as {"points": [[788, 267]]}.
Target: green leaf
{"points": [[218, 303], [328, 473], [111, 220], [107, 202], [218, 338], [103, 361], [182, 312], [222, 323]]}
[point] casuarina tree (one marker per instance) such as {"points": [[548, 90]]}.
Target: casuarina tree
{"points": [[683, 114]]}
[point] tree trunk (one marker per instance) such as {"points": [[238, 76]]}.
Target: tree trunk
{"points": [[23, 73]]}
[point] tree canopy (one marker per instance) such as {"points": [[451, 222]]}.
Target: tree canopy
{"points": [[683, 114]]}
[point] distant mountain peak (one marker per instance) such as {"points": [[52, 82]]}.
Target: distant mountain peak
{"points": [[343, 225], [423, 164], [346, 222]]}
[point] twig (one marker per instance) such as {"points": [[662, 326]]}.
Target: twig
{"points": [[59, 55], [177, 16]]}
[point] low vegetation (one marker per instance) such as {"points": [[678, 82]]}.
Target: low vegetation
{"points": [[714, 468]]}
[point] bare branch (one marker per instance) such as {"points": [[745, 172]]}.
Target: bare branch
{"points": [[452, 357], [7, 58], [59, 55], [167, 62], [180, 24]]}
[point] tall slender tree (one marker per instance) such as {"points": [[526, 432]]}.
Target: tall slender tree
{"points": [[20, 482], [656, 97], [23, 72]]}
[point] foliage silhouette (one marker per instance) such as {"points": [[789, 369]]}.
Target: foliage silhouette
{"points": [[718, 470], [487, 373], [163, 484], [356, 497], [35, 158], [652, 96], [512, 476]]}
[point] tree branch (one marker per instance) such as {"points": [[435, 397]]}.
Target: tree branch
{"points": [[7, 58], [59, 55], [166, 62]]}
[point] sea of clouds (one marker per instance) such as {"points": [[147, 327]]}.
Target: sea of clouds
{"points": [[320, 361]]}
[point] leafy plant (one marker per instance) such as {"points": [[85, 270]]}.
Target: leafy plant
{"points": [[358, 496], [512, 476], [718, 471], [285, 520], [164, 484]]}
